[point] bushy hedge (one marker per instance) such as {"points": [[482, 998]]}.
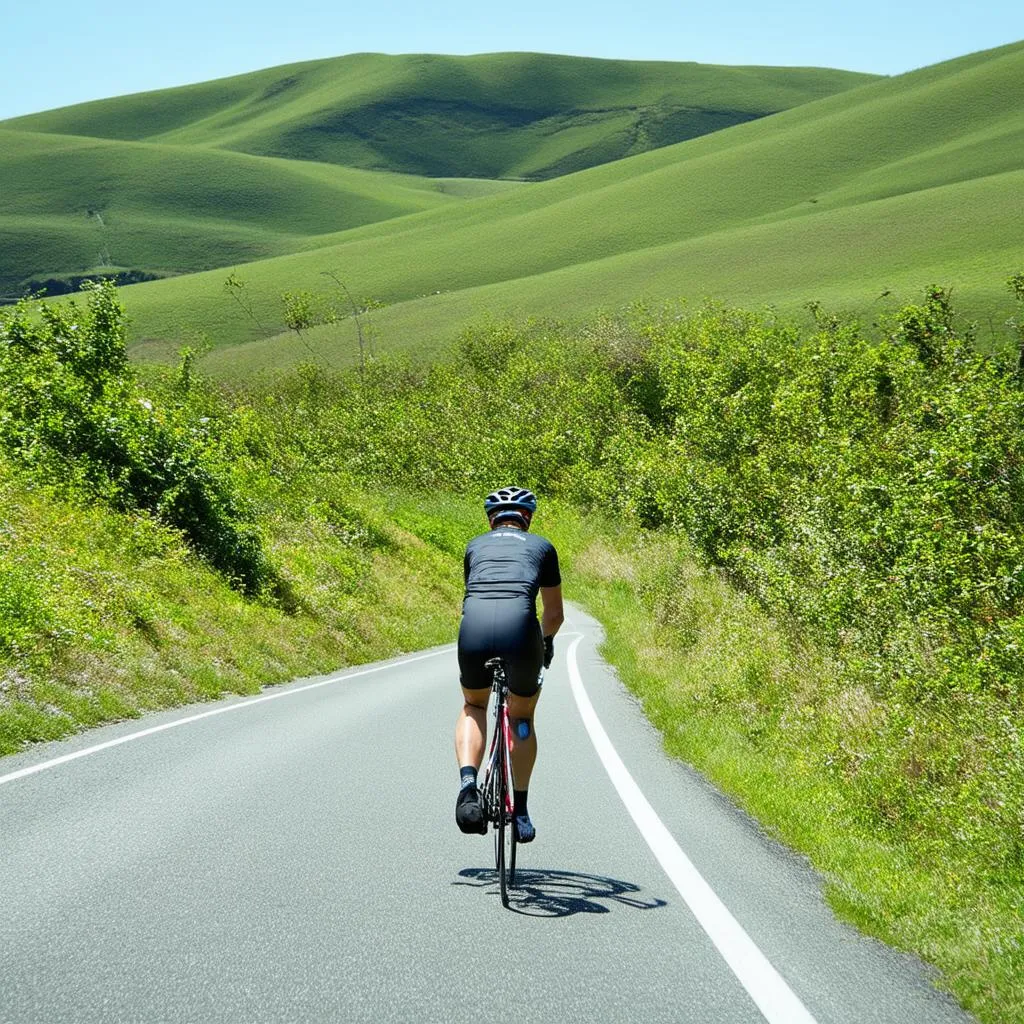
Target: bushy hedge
{"points": [[872, 491], [866, 488], [73, 415], [870, 488]]}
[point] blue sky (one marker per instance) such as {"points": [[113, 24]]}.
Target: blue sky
{"points": [[63, 53]]}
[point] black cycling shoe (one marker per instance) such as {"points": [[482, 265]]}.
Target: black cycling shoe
{"points": [[469, 811], [525, 832]]}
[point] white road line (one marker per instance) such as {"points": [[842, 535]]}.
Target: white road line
{"points": [[241, 705], [774, 998]]}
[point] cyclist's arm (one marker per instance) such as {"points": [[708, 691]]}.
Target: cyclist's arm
{"points": [[553, 616]]}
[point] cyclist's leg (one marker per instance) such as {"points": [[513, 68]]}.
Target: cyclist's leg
{"points": [[524, 755], [524, 656], [471, 727], [524, 748], [470, 737], [524, 685], [475, 647]]}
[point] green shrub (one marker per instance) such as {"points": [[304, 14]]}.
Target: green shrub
{"points": [[25, 616], [73, 415]]}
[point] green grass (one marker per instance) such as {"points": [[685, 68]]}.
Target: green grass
{"points": [[264, 164], [891, 246], [870, 190]]}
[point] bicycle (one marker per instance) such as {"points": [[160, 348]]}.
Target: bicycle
{"points": [[498, 787]]}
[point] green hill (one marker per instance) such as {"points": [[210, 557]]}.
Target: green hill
{"points": [[173, 209], [518, 115], [259, 165], [879, 188]]}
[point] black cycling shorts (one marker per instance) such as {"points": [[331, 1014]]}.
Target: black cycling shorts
{"points": [[500, 629]]}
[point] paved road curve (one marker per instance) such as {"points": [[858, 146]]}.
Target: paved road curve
{"points": [[296, 859]]}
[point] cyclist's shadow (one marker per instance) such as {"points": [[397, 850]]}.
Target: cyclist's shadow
{"points": [[540, 892]]}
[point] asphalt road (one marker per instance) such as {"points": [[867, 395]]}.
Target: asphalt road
{"points": [[296, 859]]}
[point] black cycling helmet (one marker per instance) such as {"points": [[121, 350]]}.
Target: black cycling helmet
{"points": [[510, 503]]}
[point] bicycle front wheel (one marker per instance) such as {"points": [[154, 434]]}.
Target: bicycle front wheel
{"points": [[504, 833], [512, 855]]}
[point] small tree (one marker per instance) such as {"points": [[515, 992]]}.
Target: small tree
{"points": [[356, 310], [300, 312], [238, 290]]}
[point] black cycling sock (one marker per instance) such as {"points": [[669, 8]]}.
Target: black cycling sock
{"points": [[519, 802], [468, 776]]}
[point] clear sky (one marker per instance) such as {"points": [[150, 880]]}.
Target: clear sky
{"points": [[62, 52]]}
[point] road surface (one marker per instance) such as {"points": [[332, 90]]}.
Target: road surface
{"points": [[294, 857]]}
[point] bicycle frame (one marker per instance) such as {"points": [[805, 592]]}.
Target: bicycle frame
{"points": [[499, 757], [499, 783]]}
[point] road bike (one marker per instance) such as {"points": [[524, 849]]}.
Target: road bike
{"points": [[498, 787]]}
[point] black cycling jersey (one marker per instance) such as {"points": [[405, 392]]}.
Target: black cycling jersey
{"points": [[504, 570], [509, 563]]}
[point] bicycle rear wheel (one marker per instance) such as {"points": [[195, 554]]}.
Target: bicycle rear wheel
{"points": [[499, 856], [505, 856], [504, 832]]}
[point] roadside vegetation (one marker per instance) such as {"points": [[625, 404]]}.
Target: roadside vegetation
{"points": [[806, 548], [152, 554]]}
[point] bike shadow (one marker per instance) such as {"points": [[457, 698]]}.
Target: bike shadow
{"points": [[541, 892]]}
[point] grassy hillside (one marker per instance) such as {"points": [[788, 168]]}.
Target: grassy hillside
{"points": [[756, 266], [872, 190], [110, 615], [260, 165], [169, 209], [497, 115]]}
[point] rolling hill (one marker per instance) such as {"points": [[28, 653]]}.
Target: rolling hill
{"points": [[502, 115], [260, 165], [168, 209], [882, 188]]}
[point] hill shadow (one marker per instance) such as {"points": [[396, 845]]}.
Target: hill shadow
{"points": [[541, 892]]}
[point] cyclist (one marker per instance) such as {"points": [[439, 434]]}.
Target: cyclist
{"points": [[505, 569]]}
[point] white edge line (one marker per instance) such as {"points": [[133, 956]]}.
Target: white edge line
{"points": [[774, 998], [241, 705]]}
